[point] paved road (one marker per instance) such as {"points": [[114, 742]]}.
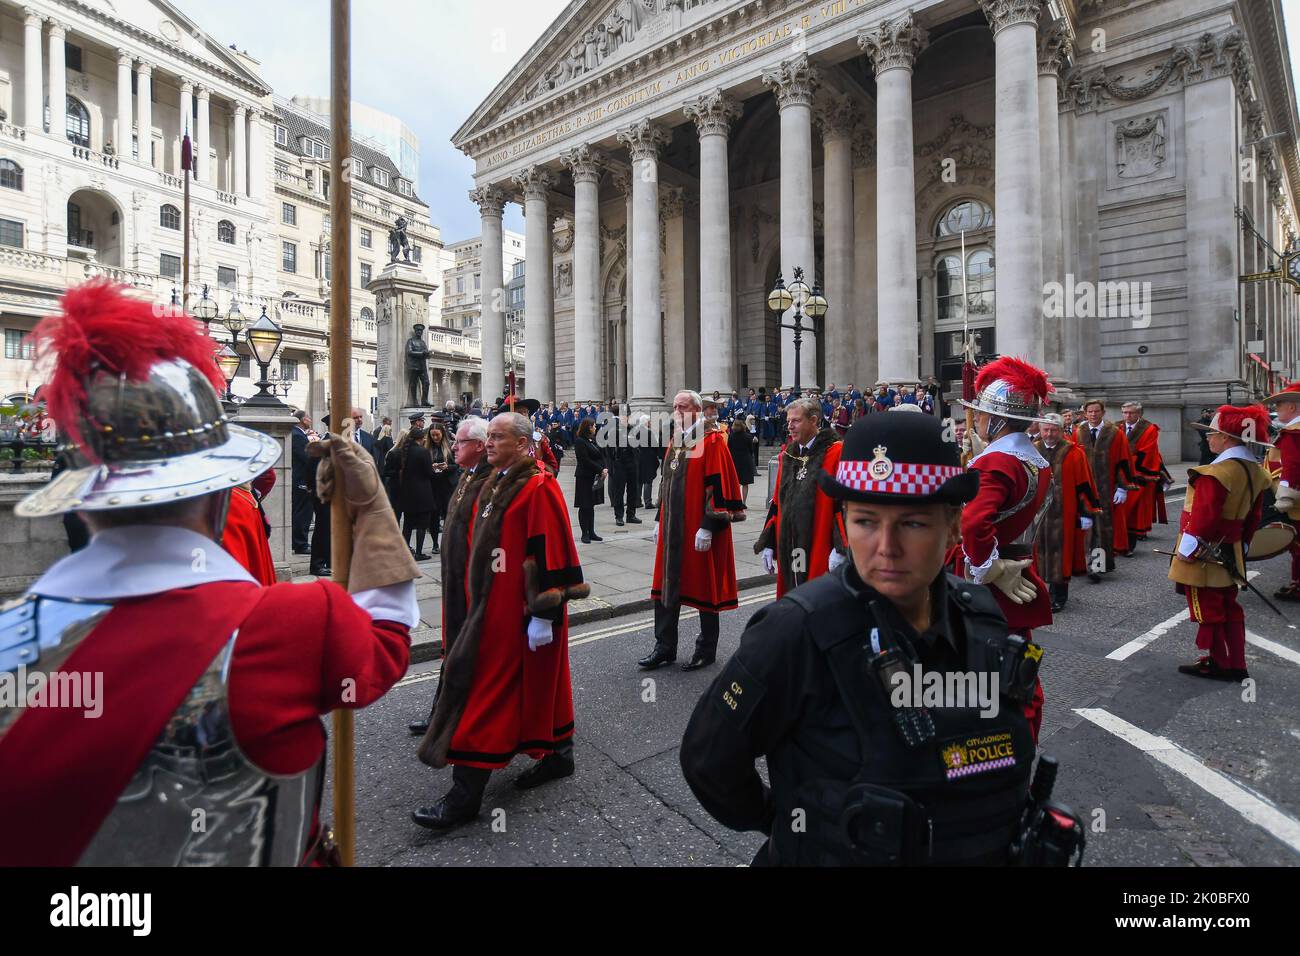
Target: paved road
{"points": [[628, 804]]}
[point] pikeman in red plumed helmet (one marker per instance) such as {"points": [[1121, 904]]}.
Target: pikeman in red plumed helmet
{"points": [[207, 685], [998, 527], [1220, 514]]}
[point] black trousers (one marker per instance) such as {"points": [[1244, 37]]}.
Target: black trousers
{"points": [[623, 484], [1060, 593], [320, 535], [666, 626], [648, 493], [302, 511], [587, 521]]}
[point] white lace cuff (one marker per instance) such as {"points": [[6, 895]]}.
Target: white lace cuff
{"points": [[1188, 544], [978, 572]]}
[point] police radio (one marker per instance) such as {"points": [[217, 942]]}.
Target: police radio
{"points": [[1051, 834]]}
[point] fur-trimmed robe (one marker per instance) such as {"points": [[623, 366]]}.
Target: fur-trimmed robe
{"points": [[498, 698], [1111, 462], [455, 551], [802, 517], [700, 492], [1061, 543], [1140, 509]]}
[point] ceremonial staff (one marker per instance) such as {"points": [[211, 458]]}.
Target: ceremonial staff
{"points": [[187, 164], [340, 347], [968, 368]]}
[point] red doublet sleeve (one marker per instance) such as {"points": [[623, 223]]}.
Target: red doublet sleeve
{"points": [[978, 532], [550, 543], [307, 650], [1207, 509], [1289, 445]]}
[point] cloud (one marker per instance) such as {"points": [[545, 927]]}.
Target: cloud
{"points": [[428, 62]]}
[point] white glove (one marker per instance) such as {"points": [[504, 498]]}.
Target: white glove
{"points": [[540, 633], [1121, 496], [835, 560], [1085, 522], [972, 444], [1286, 498], [1008, 578], [769, 561], [703, 540]]}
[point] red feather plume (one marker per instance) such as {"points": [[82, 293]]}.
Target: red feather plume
{"points": [[1233, 420], [1025, 379], [102, 328]]}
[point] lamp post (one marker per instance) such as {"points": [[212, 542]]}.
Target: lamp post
{"points": [[228, 361], [205, 310], [798, 295], [264, 338]]}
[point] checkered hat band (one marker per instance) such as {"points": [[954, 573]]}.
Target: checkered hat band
{"points": [[906, 478]]}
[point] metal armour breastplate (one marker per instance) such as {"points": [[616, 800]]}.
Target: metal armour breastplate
{"points": [[197, 800]]}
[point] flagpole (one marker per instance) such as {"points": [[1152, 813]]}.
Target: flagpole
{"points": [[187, 161], [340, 348]]}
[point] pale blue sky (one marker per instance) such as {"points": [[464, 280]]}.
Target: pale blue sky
{"points": [[429, 62]]}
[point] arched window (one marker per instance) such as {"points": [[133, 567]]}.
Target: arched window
{"points": [[969, 215], [169, 217], [979, 285], [368, 319], [226, 231], [11, 174], [948, 287], [78, 127]]}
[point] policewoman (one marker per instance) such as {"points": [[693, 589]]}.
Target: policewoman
{"points": [[824, 682]]}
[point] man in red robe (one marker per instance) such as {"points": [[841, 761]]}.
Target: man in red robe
{"points": [[1111, 462], [245, 536], [1283, 465], [695, 565], [803, 536], [505, 681], [999, 526], [1148, 473], [212, 685], [1059, 547]]}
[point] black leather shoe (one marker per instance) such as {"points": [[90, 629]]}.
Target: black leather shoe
{"points": [[321, 571], [550, 767], [1095, 578], [656, 658], [697, 661], [619, 522], [1057, 606], [596, 537], [442, 816], [585, 539], [1207, 668], [418, 728], [421, 556], [633, 519]]}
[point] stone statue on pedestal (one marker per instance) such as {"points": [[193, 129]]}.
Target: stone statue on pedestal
{"points": [[417, 369], [398, 244]]}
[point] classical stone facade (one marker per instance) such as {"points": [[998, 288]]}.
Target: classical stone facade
{"points": [[1081, 182]]}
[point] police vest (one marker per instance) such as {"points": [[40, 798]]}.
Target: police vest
{"points": [[954, 800]]}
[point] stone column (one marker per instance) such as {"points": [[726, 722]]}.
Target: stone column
{"points": [[58, 81], [794, 82], [713, 114], [203, 141], [929, 308], [240, 149], [1054, 49], [893, 47], [33, 82], [1019, 193], [672, 214], [124, 125], [492, 337], [320, 375], [623, 333], [586, 164], [144, 107], [839, 118], [643, 140], [865, 361], [539, 300], [257, 171]]}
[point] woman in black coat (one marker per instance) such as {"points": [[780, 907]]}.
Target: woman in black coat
{"points": [[416, 484], [741, 444], [445, 473], [392, 475], [590, 468]]}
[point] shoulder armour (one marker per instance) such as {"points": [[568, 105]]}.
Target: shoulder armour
{"points": [[34, 624]]}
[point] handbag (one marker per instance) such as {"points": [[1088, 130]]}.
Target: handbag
{"points": [[598, 491]]}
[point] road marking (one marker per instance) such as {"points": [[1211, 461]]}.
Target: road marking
{"points": [[1164, 627], [628, 627], [1255, 808], [1264, 644]]}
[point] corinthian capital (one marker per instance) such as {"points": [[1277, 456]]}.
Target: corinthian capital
{"points": [[1055, 47], [837, 115], [585, 162], [894, 44], [713, 113], [794, 81], [643, 140], [490, 199], [1007, 13], [535, 181]]}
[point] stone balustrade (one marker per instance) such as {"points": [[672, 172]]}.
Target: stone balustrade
{"points": [[95, 158]]}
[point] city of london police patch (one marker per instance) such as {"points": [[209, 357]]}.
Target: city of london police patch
{"points": [[978, 755]]}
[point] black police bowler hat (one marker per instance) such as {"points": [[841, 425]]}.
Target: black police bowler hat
{"points": [[891, 459]]}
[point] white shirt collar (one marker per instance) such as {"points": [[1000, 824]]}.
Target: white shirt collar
{"points": [[1236, 451], [139, 560], [1286, 424], [1017, 445]]}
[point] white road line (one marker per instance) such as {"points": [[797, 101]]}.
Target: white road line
{"points": [[1255, 808], [1264, 644], [1164, 627]]}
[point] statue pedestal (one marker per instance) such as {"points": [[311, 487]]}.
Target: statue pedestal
{"points": [[402, 302]]}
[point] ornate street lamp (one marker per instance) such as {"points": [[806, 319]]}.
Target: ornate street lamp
{"points": [[264, 338], [228, 361], [205, 310], [800, 297]]}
